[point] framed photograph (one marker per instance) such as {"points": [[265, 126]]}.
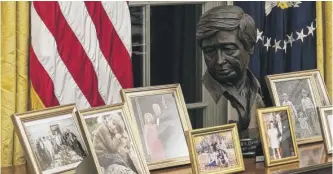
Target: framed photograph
{"points": [[161, 118], [311, 155], [303, 91], [326, 120], [215, 150], [110, 140], [51, 139], [322, 90], [277, 135]]}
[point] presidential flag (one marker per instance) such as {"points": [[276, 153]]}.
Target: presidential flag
{"points": [[286, 39], [80, 52]]}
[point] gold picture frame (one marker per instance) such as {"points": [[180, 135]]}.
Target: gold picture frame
{"points": [[228, 153], [40, 126], [326, 127], [314, 86], [123, 125], [158, 103], [276, 117]]}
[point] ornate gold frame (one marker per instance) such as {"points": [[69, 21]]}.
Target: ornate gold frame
{"points": [[325, 128], [128, 124], [262, 130], [184, 118], [20, 119], [316, 85], [211, 130]]}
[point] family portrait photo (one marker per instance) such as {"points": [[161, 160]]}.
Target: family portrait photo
{"points": [[56, 143], [112, 143], [160, 127], [215, 151], [299, 95], [278, 135]]}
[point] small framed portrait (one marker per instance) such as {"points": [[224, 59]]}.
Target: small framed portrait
{"points": [[277, 135], [215, 150], [110, 140], [303, 92], [326, 121], [51, 139], [161, 118]]}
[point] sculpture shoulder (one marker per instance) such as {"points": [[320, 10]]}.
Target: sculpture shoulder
{"points": [[259, 101]]}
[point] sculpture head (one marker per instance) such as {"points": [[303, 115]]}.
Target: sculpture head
{"points": [[227, 37]]}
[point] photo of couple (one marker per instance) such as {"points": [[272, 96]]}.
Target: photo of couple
{"points": [[160, 127], [112, 144], [278, 135]]}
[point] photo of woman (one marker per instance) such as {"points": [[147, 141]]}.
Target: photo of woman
{"points": [[277, 135], [112, 144], [153, 143], [274, 142], [160, 127]]}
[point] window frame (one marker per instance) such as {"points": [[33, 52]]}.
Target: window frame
{"points": [[208, 106]]}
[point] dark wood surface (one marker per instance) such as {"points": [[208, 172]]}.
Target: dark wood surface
{"points": [[313, 159]]}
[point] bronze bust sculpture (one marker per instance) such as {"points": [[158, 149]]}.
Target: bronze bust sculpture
{"points": [[227, 37]]}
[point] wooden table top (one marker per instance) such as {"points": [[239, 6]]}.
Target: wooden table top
{"points": [[312, 157]]}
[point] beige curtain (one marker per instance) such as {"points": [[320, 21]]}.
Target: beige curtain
{"points": [[14, 77], [324, 41]]}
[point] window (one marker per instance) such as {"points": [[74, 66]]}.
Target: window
{"points": [[164, 50]]}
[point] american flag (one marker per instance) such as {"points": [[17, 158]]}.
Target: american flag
{"points": [[286, 38], [80, 52]]}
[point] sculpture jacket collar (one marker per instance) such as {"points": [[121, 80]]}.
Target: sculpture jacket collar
{"points": [[239, 102]]}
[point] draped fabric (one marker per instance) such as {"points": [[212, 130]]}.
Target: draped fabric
{"points": [[324, 42], [80, 53], [286, 38], [14, 76]]}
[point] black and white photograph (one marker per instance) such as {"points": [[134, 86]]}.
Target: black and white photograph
{"points": [[299, 95], [112, 143], [278, 135], [56, 143], [160, 127]]}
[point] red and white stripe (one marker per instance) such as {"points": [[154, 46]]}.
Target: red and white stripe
{"points": [[80, 52]]}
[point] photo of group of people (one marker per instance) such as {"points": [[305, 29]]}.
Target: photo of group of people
{"points": [[298, 94], [278, 135], [160, 127], [56, 143], [215, 151], [112, 144]]}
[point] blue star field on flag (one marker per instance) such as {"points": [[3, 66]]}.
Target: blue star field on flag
{"points": [[286, 39]]}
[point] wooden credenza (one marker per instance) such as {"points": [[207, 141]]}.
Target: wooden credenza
{"points": [[313, 159]]}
